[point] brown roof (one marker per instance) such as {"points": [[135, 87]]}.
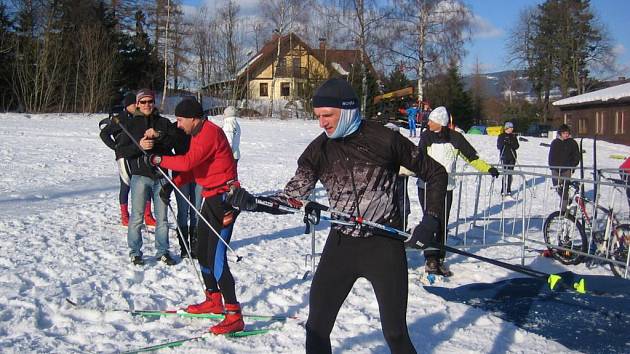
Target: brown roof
{"points": [[344, 57]]}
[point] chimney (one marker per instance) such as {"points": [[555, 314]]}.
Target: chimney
{"points": [[322, 44]]}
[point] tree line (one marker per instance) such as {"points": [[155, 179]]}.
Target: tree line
{"points": [[81, 55]]}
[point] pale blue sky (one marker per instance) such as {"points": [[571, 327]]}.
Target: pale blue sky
{"points": [[495, 20]]}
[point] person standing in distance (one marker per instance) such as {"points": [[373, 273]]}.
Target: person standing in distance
{"points": [[564, 156], [507, 143], [232, 131]]}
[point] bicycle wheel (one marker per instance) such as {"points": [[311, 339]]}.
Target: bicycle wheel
{"points": [[564, 231], [620, 239]]}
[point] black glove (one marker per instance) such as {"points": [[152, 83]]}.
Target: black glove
{"points": [[423, 234], [165, 193], [313, 212], [240, 198], [493, 172]]}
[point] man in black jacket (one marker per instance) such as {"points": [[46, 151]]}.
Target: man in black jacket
{"points": [[155, 136], [357, 162], [507, 143], [110, 135], [564, 155]]}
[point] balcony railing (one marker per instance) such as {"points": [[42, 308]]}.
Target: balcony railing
{"points": [[293, 72]]}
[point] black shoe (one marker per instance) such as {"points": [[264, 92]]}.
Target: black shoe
{"points": [[433, 266], [137, 260], [166, 259]]}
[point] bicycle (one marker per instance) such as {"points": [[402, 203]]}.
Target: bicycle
{"points": [[567, 233]]}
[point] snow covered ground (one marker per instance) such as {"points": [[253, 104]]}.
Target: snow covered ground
{"points": [[60, 238]]}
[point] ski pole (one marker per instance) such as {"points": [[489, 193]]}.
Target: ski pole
{"points": [[122, 126], [180, 234]]}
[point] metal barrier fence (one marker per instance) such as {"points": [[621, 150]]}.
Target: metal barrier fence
{"points": [[486, 219]]}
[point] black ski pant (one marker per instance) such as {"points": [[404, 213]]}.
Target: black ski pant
{"points": [[443, 218], [506, 186], [211, 252], [380, 260]]}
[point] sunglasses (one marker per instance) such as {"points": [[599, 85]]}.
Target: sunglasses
{"points": [[146, 102]]}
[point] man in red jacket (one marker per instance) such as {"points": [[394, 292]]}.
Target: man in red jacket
{"points": [[209, 163]]}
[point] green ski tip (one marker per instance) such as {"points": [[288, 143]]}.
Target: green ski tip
{"points": [[580, 286], [553, 280]]}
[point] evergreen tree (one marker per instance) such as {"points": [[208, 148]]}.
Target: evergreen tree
{"points": [[396, 80], [7, 56], [448, 90]]}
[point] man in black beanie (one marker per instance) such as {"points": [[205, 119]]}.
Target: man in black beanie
{"points": [[358, 162]]}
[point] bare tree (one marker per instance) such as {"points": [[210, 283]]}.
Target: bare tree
{"points": [[231, 42], [362, 20], [428, 33], [98, 65]]}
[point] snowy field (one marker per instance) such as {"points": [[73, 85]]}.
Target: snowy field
{"points": [[60, 238]]}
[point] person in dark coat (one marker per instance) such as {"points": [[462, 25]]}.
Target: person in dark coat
{"points": [[154, 134], [564, 156], [110, 135], [358, 162], [507, 143]]}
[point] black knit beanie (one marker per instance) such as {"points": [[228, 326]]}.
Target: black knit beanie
{"points": [[188, 108], [337, 93], [129, 98]]}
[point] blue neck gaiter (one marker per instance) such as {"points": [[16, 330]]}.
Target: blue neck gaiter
{"points": [[349, 122]]}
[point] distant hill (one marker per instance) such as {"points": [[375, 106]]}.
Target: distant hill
{"points": [[498, 84]]}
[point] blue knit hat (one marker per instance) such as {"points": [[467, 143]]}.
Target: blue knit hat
{"points": [[508, 125]]}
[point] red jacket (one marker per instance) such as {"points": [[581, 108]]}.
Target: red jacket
{"points": [[625, 166], [208, 162]]}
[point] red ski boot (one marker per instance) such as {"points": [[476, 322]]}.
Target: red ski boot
{"points": [[213, 304], [233, 321], [148, 218], [124, 215]]}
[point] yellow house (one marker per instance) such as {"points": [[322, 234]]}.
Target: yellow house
{"points": [[293, 74]]}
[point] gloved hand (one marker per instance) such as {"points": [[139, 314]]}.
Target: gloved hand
{"points": [[313, 212], [423, 234], [240, 198], [165, 193], [493, 172], [153, 159]]}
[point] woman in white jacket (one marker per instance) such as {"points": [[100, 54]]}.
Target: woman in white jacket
{"points": [[232, 131]]}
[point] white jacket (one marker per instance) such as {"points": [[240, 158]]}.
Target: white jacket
{"points": [[232, 131]]}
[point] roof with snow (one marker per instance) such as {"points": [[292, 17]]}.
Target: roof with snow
{"points": [[607, 95]]}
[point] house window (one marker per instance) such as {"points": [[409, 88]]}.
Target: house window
{"points": [[619, 120], [301, 89], [264, 89], [285, 89], [582, 127], [599, 122]]}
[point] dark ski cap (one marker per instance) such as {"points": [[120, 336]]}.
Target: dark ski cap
{"points": [[129, 99], [337, 93], [188, 108]]}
